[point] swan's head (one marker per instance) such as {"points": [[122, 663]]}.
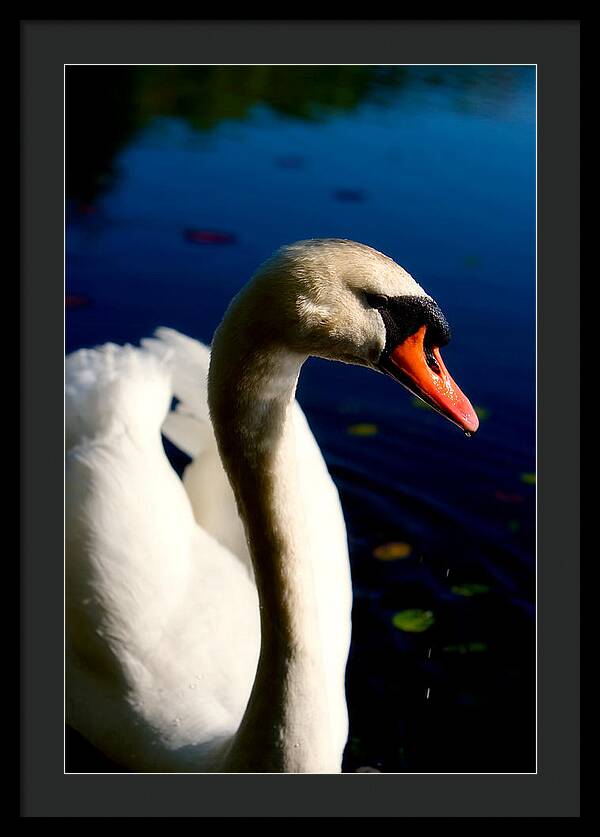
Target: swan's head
{"points": [[345, 301]]}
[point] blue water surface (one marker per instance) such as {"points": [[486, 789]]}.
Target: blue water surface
{"points": [[440, 175]]}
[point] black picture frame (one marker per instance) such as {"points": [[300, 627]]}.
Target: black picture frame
{"points": [[46, 46]]}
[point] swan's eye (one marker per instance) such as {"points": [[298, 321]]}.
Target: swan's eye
{"points": [[376, 300]]}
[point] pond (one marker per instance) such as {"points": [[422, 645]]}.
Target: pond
{"points": [[182, 180]]}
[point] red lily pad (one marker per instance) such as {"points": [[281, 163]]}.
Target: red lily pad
{"points": [[508, 498], [86, 209], [209, 236], [349, 195], [76, 301]]}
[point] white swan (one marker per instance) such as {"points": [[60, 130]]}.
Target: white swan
{"points": [[191, 646]]}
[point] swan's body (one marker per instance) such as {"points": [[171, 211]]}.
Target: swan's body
{"points": [[193, 645], [177, 609]]}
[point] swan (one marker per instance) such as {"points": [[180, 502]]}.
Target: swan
{"points": [[208, 619]]}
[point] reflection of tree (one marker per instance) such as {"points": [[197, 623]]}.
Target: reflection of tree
{"points": [[213, 94], [107, 104]]}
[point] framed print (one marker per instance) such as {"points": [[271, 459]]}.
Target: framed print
{"points": [[235, 584]]}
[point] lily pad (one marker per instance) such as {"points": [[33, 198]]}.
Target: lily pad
{"points": [[504, 497], [209, 236], [528, 479], [349, 195], [466, 648], [413, 620], [76, 301], [363, 429], [354, 745], [392, 551], [421, 405], [482, 412], [469, 589]]}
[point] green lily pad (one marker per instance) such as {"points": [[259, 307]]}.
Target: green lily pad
{"points": [[528, 479], [514, 526], [469, 589], [413, 620], [482, 412], [421, 405], [363, 429], [354, 746], [466, 648]]}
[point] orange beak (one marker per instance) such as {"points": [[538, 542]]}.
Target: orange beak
{"points": [[425, 375]]}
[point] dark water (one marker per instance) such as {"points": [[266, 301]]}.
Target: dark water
{"points": [[181, 181]]}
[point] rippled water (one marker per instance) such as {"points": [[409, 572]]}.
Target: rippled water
{"points": [[180, 185]]}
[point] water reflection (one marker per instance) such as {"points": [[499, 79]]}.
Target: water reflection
{"points": [[107, 105]]}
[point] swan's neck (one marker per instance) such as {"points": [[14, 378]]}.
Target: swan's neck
{"points": [[286, 726]]}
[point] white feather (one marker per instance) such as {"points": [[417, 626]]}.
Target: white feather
{"points": [[163, 633]]}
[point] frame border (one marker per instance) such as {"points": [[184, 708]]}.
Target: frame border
{"points": [[46, 47]]}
